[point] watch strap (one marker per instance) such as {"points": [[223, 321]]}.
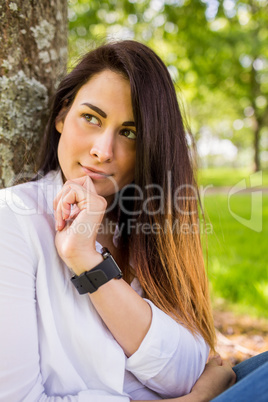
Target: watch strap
{"points": [[90, 281]]}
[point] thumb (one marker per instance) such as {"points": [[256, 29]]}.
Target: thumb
{"points": [[88, 184]]}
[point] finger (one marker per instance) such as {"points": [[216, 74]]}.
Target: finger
{"points": [[212, 356], [67, 200], [72, 201], [215, 361], [68, 186], [64, 206], [228, 368], [74, 211], [85, 198], [57, 209], [56, 199], [84, 181], [60, 194], [83, 187], [60, 222], [80, 190], [226, 363], [88, 184], [65, 188]]}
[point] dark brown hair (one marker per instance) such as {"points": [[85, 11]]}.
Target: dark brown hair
{"points": [[168, 262]]}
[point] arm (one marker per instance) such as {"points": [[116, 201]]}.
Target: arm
{"points": [[215, 379], [170, 359], [125, 313], [20, 374], [163, 355]]}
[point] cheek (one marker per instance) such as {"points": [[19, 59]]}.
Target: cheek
{"points": [[68, 142], [66, 152], [62, 163], [62, 148]]}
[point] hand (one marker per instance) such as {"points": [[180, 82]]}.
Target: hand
{"points": [[215, 379], [78, 211]]}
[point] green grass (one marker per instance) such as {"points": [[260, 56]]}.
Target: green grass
{"points": [[237, 255], [227, 176]]}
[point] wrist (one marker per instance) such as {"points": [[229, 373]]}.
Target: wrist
{"points": [[94, 259], [85, 262], [90, 280]]}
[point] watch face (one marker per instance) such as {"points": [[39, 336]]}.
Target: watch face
{"points": [[105, 253]]}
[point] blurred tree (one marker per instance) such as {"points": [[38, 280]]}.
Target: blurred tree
{"points": [[238, 67], [216, 52], [33, 56]]}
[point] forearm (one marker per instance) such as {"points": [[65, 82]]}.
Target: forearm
{"points": [[125, 313], [192, 397], [170, 359], [134, 321]]}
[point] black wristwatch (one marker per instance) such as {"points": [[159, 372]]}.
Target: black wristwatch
{"points": [[90, 281]]}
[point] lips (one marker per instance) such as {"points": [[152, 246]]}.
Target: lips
{"points": [[95, 173]]}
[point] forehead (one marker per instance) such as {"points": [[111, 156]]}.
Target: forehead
{"points": [[105, 82], [109, 91]]}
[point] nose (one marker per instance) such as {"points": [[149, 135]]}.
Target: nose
{"points": [[102, 147]]}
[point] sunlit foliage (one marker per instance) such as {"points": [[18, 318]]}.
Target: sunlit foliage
{"points": [[216, 52]]}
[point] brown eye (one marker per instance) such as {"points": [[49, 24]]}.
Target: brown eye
{"points": [[129, 134], [91, 119]]}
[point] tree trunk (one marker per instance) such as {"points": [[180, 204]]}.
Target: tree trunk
{"points": [[257, 164], [256, 129], [33, 57]]}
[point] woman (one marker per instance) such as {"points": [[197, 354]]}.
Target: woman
{"points": [[117, 169]]}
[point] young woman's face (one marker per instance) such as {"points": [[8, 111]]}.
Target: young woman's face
{"points": [[98, 134]]}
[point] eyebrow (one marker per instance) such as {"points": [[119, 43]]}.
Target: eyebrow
{"points": [[98, 110], [103, 114], [129, 123]]}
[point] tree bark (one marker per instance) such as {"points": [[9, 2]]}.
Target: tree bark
{"points": [[33, 57], [257, 163]]}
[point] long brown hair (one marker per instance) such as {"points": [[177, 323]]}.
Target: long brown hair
{"points": [[168, 259]]}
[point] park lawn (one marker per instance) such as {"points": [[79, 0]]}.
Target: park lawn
{"points": [[237, 255], [225, 177]]}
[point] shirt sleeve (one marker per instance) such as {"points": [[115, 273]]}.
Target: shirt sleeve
{"points": [[170, 359], [20, 376]]}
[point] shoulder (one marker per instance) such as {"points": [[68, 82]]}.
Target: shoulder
{"points": [[26, 210], [26, 217], [32, 197]]}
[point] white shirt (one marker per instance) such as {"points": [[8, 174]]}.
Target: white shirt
{"points": [[53, 344]]}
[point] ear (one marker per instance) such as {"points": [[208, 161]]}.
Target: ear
{"points": [[59, 125], [59, 121]]}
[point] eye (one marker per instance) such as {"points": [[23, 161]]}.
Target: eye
{"points": [[129, 134], [91, 119]]}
